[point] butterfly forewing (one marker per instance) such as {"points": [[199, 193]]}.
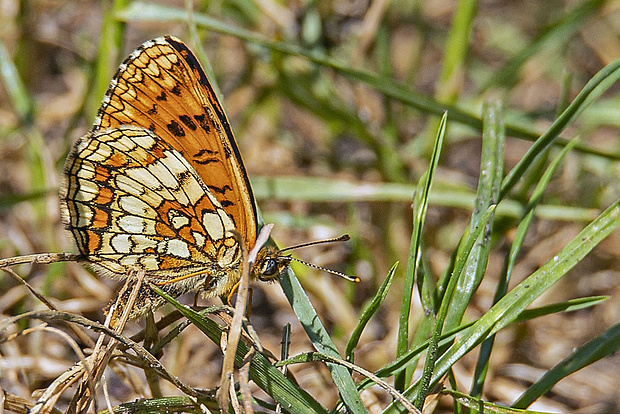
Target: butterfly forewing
{"points": [[162, 87]]}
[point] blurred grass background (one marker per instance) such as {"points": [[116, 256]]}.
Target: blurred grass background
{"points": [[336, 106]]}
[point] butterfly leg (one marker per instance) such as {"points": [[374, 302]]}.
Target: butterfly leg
{"points": [[232, 293]]}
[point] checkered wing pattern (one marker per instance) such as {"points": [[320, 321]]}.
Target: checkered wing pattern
{"points": [[134, 202], [162, 87], [159, 184]]}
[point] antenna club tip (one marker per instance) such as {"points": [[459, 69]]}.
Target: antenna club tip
{"points": [[356, 279], [344, 237]]}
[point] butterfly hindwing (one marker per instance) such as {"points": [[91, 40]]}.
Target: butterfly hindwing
{"points": [[134, 202]]}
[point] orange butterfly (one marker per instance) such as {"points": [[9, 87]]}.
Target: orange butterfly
{"points": [[159, 184]]}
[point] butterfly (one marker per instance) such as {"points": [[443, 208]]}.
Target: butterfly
{"points": [[159, 184]]}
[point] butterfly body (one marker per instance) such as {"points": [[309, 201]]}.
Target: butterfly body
{"points": [[159, 185]]}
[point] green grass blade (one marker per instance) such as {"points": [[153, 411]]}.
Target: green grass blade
{"points": [[200, 52], [419, 215], [489, 183], [483, 407], [592, 90], [507, 309], [568, 306], [262, 372], [181, 404], [323, 189], [529, 314], [110, 48], [515, 248], [22, 104], [321, 340], [598, 348], [457, 45], [148, 12], [317, 356], [468, 242], [368, 313]]}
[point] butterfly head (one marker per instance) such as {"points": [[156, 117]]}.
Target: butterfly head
{"points": [[270, 264]]}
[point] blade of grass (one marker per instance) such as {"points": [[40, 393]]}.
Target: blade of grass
{"points": [[317, 356], [401, 363], [22, 104], [452, 74], [489, 183], [202, 56], [482, 407], [568, 306], [515, 248], [603, 345], [321, 340], [180, 404], [368, 313], [262, 372], [592, 90], [419, 216], [321, 189], [468, 242], [507, 309], [110, 46], [140, 11]]}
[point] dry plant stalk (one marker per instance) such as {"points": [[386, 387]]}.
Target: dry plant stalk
{"points": [[234, 334], [90, 369]]}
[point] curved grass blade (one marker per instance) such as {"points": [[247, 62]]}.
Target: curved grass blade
{"points": [[515, 248], [317, 356], [411, 273], [321, 340], [468, 242], [603, 345], [487, 194], [592, 90], [140, 11], [509, 307], [447, 337], [483, 407], [368, 313], [262, 372]]}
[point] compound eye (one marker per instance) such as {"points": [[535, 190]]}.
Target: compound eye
{"points": [[270, 268]]}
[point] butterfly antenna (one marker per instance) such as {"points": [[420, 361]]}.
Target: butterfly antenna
{"points": [[333, 272], [342, 238]]}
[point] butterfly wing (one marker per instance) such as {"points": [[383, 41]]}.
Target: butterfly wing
{"points": [[134, 202], [162, 87]]}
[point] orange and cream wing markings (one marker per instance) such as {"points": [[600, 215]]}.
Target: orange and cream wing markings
{"points": [[158, 185], [133, 202], [162, 87]]}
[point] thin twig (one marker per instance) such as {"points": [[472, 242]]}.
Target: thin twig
{"points": [[83, 337], [234, 334], [143, 354], [40, 258], [315, 356], [244, 382]]}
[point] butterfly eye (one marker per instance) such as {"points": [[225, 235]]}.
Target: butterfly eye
{"points": [[270, 267]]}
